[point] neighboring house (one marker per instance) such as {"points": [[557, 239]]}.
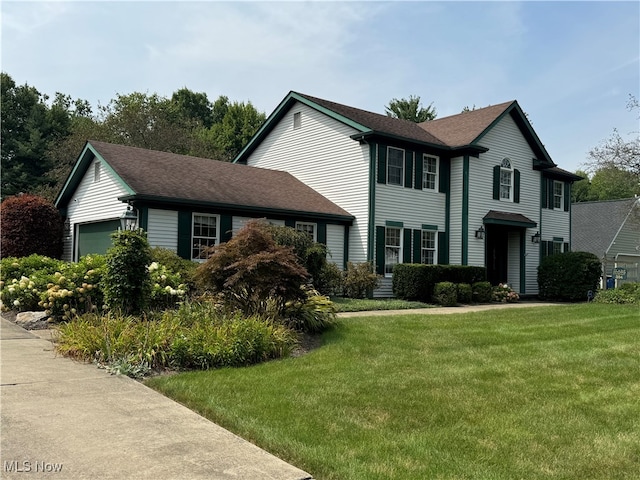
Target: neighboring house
{"points": [[186, 203], [477, 188], [611, 230]]}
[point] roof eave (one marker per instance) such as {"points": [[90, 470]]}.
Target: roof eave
{"points": [[142, 198], [461, 149]]}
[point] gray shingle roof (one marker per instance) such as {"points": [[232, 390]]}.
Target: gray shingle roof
{"points": [[594, 225], [169, 176]]}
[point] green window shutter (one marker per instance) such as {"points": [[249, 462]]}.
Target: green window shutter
{"points": [[550, 193], [543, 193], [226, 225], [417, 246], [406, 246], [543, 249], [418, 180], [382, 164], [444, 175], [380, 250], [408, 169], [496, 182], [290, 223], [443, 248], [516, 186], [567, 196], [565, 247], [184, 234], [321, 235]]}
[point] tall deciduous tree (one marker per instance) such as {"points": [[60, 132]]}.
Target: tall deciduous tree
{"points": [[616, 151], [410, 109]]}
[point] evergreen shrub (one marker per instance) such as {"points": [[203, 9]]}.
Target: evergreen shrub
{"points": [[482, 292], [445, 294], [568, 276], [465, 293], [417, 281]]}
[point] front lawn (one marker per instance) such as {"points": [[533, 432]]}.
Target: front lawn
{"points": [[535, 393]]}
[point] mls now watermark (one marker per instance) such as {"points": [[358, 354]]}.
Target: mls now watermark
{"points": [[27, 466]]}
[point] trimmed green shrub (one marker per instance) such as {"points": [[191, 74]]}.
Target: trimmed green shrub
{"points": [[465, 293], [359, 280], [568, 276], [30, 224], [126, 282], [417, 281], [445, 294], [330, 280], [482, 292]]}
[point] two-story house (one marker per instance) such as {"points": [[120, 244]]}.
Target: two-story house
{"points": [[477, 188]]}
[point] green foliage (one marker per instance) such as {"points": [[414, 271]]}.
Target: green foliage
{"points": [[194, 336], [30, 224], [417, 281], [627, 293], [75, 288], [22, 280], [359, 280], [186, 269], [250, 268], [482, 292], [608, 182], [370, 304], [167, 288], [314, 315], [445, 294], [568, 276], [126, 281], [330, 280], [410, 109], [503, 293], [465, 293]]}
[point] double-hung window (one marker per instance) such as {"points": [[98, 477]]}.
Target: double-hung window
{"points": [[558, 200], [506, 180], [204, 234], [392, 246], [428, 247], [429, 172], [395, 166], [308, 228]]}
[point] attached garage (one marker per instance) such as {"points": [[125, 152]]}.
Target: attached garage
{"points": [[95, 237]]}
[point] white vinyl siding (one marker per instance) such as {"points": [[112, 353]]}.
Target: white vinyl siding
{"points": [[455, 234], [322, 155], [238, 223], [162, 229], [335, 244], [504, 140], [93, 202], [513, 261]]}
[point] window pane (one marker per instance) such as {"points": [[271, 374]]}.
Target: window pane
{"points": [[392, 249], [505, 184], [395, 166], [428, 251], [429, 172], [205, 234]]}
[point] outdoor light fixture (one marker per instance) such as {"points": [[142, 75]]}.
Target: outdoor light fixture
{"points": [[480, 233], [128, 220], [535, 238]]}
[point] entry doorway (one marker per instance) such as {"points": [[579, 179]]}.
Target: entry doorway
{"points": [[497, 253]]}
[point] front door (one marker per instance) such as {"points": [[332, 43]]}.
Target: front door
{"points": [[497, 253]]}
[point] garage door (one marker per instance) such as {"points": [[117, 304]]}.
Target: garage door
{"points": [[96, 237]]}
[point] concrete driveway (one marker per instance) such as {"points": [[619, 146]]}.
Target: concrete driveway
{"points": [[68, 420]]}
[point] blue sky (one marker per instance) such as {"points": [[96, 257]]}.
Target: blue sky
{"points": [[570, 65]]}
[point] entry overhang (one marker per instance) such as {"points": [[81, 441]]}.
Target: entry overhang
{"points": [[494, 217]]}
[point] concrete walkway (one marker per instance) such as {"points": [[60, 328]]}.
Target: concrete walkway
{"points": [[451, 310], [68, 420]]}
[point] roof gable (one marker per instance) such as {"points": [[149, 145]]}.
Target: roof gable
{"points": [[172, 178], [595, 225]]}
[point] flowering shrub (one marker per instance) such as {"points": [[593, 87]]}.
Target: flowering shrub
{"points": [[22, 280], [75, 289], [167, 288], [504, 294]]}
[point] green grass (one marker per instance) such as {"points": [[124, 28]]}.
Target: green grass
{"points": [[534, 393], [368, 304]]}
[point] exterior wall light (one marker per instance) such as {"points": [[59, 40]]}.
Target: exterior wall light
{"points": [[128, 220], [535, 238], [480, 233]]}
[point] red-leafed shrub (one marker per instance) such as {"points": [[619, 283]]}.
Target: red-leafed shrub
{"points": [[30, 224]]}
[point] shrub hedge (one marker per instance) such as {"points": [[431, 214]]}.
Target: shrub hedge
{"points": [[416, 281], [568, 276], [445, 294]]}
